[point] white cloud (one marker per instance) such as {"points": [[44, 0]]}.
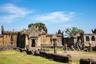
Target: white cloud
{"points": [[10, 12], [57, 16]]}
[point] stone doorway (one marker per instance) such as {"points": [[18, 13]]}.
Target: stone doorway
{"points": [[33, 44]]}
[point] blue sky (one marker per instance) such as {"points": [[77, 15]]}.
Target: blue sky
{"points": [[56, 14]]}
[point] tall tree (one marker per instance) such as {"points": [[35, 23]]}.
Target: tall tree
{"points": [[2, 29], [41, 26], [71, 32]]}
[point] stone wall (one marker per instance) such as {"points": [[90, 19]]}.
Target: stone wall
{"points": [[8, 41], [90, 40], [44, 39], [59, 40]]}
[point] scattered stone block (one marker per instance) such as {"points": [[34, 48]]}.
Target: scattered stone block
{"points": [[84, 61]]}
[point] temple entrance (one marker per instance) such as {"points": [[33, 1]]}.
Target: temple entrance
{"points": [[33, 43]]}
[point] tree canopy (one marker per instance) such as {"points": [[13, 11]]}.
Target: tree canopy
{"points": [[41, 26], [71, 32], [94, 31]]}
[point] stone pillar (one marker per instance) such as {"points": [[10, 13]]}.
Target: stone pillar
{"points": [[54, 43], [90, 43]]}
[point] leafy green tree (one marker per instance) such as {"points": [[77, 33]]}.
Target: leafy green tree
{"points": [[41, 26], [71, 32], [94, 31]]}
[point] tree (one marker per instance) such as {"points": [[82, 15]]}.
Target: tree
{"points": [[94, 31], [2, 29], [41, 26], [71, 32]]}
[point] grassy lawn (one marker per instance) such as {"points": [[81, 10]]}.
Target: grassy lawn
{"points": [[14, 57]]}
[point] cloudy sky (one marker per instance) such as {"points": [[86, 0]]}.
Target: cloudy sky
{"points": [[56, 14]]}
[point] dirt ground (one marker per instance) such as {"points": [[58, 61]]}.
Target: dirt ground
{"points": [[76, 55]]}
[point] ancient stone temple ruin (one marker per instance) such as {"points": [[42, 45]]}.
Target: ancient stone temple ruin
{"points": [[37, 39], [28, 38], [85, 41], [8, 39], [34, 38]]}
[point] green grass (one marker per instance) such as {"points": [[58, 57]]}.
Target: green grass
{"points": [[14, 57]]}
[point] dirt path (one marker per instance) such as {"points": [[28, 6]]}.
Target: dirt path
{"points": [[76, 55]]}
